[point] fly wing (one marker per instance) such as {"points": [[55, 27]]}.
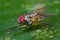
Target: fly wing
{"points": [[47, 15], [40, 10]]}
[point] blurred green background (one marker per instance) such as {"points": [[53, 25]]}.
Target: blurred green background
{"points": [[10, 11]]}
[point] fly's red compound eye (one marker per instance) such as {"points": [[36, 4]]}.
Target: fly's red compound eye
{"points": [[21, 19]]}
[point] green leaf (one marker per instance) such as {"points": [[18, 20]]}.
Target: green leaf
{"points": [[10, 11]]}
